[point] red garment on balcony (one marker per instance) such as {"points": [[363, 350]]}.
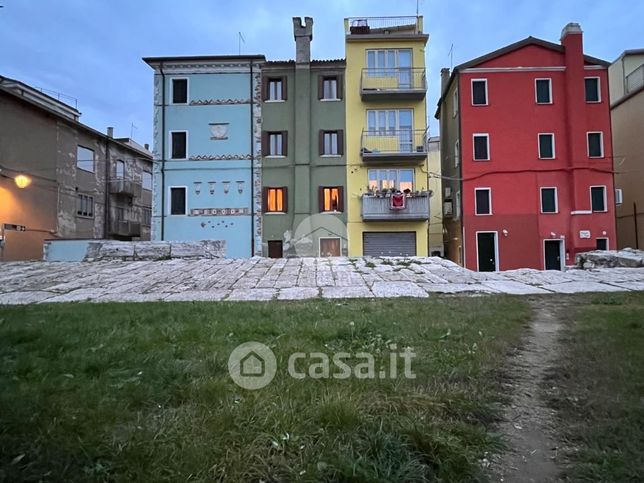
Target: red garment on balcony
{"points": [[397, 201]]}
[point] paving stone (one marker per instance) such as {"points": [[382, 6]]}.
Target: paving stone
{"points": [[346, 292], [252, 294], [298, 293], [19, 298], [579, 287], [515, 288], [397, 289], [453, 288], [198, 295]]}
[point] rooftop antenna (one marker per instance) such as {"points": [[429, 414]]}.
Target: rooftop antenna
{"points": [[132, 129], [417, 2], [451, 57], [239, 41]]}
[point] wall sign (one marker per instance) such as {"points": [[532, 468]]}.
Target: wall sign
{"points": [[584, 234]]}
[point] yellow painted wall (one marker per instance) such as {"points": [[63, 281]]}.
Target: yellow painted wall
{"points": [[356, 121]]}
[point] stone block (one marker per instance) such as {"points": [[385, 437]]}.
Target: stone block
{"points": [[152, 250], [116, 250]]}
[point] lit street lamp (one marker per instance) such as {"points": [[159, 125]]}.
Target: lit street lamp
{"points": [[22, 181]]}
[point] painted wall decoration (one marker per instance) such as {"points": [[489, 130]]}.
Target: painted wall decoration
{"points": [[220, 157], [219, 212], [219, 130], [218, 102]]}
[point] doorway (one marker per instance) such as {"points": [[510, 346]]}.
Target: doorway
{"points": [[602, 243], [275, 249], [487, 250], [330, 247], [552, 254]]}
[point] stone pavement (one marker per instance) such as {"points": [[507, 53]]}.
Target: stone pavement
{"points": [[286, 279]]}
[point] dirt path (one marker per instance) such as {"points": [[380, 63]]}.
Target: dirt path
{"points": [[528, 425]]}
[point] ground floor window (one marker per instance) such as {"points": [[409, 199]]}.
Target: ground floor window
{"points": [[330, 247], [85, 206]]}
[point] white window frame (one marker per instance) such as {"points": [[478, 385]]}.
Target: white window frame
{"points": [[603, 238], [487, 137], [457, 206], [562, 252], [619, 196], [457, 153], [455, 102], [487, 99], [536, 96], [172, 79], [281, 135], [170, 144], [327, 78], [590, 192], [143, 180], [554, 150], [599, 90], [556, 200], [489, 197], [337, 145], [268, 87], [328, 238], [397, 182], [497, 262], [169, 207], [601, 143]]}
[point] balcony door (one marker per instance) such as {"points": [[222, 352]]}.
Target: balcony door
{"points": [[391, 63], [397, 123]]}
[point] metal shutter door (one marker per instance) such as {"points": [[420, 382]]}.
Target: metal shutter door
{"points": [[389, 244]]}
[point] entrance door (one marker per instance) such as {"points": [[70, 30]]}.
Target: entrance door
{"points": [[329, 247], [486, 247], [275, 249], [552, 251], [602, 243]]}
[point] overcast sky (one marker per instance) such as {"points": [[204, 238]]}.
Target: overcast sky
{"points": [[91, 49]]}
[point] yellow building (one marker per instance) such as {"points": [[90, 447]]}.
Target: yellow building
{"points": [[386, 130]]}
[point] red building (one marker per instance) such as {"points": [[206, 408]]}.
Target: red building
{"points": [[527, 156]]}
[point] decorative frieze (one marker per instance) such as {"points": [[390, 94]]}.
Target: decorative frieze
{"points": [[220, 212], [220, 157], [218, 102]]}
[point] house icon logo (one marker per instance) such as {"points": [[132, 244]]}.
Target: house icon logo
{"points": [[252, 365]]}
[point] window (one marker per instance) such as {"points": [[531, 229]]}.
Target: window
{"points": [[595, 145], [455, 103], [602, 243], [479, 92], [178, 200], [388, 62], [85, 206], [275, 200], [543, 91], [591, 85], [147, 180], [457, 153], [619, 196], [396, 179], [275, 89], [331, 143], [483, 201], [119, 169], [387, 122], [331, 199], [180, 91], [275, 143], [328, 88], [546, 146], [85, 159], [147, 216], [598, 198], [457, 207], [549, 200], [178, 144], [481, 147]]}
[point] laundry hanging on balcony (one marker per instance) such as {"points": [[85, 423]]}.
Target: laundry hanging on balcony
{"points": [[397, 201]]}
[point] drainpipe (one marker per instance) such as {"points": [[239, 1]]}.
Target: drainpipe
{"points": [[162, 151], [106, 220], [252, 164]]}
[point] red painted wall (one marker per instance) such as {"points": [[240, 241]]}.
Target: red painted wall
{"points": [[515, 173]]}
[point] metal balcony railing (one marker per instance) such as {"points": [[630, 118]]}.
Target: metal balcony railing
{"points": [[378, 208], [383, 25], [400, 82], [635, 79], [122, 186], [391, 145]]}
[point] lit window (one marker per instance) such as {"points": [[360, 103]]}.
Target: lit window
{"points": [[331, 199], [391, 179], [275, 200]]}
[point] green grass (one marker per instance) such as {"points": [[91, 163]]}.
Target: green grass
{"points": [[600, 389], [141, 392]]}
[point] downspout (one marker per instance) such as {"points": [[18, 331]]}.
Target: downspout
{"points": [[252, 164], [162, 151]]}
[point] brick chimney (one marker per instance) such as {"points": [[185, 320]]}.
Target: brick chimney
{"points": [[303, 33]]}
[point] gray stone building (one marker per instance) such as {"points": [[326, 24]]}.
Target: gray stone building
{"points": [[60, 179]]}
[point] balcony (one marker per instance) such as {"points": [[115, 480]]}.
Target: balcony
{"points": [[378, 208], [404, 83], [126, 187], [635, 79], [365, 28], [125, 228], [397, 146]]}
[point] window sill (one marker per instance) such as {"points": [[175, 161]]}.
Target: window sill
{"points": [[84, 217], [330, 100], [275, 213], [275, 156], [178, 159], [597, 157], [330, 155], [480, 105], [331, 212], [549, 212], [179, 103], [483, 214], [481, 160], [86, 170], [274, 101], [593, 102], [547, 159]]}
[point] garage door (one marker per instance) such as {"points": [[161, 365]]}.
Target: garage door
{"points": [[389, 244]]}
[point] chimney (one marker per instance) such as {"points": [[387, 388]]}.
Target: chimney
{"points": [[303, 34], [110, 132], [146, 146], [444, 79], [572, 41]]}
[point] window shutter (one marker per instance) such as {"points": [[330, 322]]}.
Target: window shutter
{"points": [[264, 88], [285, 201], [341, 198], [284, 143], [340, 142], [321, 142], [321, 199], [264, 199], [284, 88], [265, 143], [340, 86], [320, 86]]}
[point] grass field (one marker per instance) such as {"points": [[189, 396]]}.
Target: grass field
{"points": [[141, 392], [600, 389]]}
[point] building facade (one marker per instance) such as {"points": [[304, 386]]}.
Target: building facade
{"points": [[527, 156], [207, 151], [78, 183], [386, 150], [626, 76], [304, 164]]}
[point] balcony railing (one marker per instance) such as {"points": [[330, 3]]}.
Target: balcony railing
{"points": [[378, 208], [402, 145], [128, 187], [399, 83], [383, 25], [125, 228], [635, 79]]}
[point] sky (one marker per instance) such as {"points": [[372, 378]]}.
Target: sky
{"points": [[91, 50]]}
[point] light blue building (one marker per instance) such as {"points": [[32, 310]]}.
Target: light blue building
{"points": [[207, 151]]}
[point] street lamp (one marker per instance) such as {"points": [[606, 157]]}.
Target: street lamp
{"points": [[22, 181]]}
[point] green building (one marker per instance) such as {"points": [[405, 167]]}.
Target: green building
{"points": [[303, 159]]}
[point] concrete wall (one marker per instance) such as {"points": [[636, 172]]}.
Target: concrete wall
{"points": [[618, 71]]}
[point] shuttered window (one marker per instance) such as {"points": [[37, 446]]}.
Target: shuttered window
{"points": [[331, 199], [275, 199]]}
